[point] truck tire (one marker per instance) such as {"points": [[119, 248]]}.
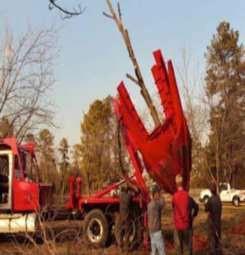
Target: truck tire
{"points": [[236, 201], [135, 237], [96, 228], [205, 199]]}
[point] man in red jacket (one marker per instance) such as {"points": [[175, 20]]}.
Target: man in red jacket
{"points": [[180, 203]]}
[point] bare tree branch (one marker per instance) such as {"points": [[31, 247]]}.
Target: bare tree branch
{"points": [[68, 13], [196, 112], [130, 77], [26, 77]]}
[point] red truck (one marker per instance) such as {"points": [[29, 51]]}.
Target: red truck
{"points": [[163, 153]]}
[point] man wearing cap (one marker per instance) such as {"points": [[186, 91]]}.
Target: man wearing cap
{"points": [[193, 211], [154, 211]]}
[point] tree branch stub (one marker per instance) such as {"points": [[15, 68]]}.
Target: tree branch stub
{"points": [[140, 81]]}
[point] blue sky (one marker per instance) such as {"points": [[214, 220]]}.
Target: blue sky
{"points": [[93, 59]]}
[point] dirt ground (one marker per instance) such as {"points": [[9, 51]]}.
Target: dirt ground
{"points": [[70, 243]]}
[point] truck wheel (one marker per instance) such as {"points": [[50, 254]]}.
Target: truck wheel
{"points": [[96, 229], [135, 234], [236, 201], [205, 199]]}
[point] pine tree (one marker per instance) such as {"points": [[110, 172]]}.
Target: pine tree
{"points": [[225, 82], [76, 157], [64, 165], [99, 146], [46, 157]]}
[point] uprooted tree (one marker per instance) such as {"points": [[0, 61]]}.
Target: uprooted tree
{"points": [[102, 156], [26, 78], [116, 16]]}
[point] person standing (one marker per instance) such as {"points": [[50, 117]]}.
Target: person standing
{"points": [[193, 211], [214, 209], [154, 212], [180, 203], [128, 191], [124, 202]]}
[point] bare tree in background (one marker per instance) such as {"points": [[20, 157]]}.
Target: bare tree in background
{"points": [[196, 112], [192, 91], [78, 10], [26, 78]]}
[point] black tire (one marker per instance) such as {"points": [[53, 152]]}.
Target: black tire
{"points": [[205, 199], [96, 228], [236, 201], [135, 237]]}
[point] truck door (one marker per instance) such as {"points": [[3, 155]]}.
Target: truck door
{"points": [[6, 165], [25, 191], [224, 192]]}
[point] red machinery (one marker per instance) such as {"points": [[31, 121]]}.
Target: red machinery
{"points": [[166, 151], [20, 196], [163, 153]]}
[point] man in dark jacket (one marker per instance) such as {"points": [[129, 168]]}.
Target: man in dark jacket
{"points": [[125, 202], [193, 211], [214, 209]]}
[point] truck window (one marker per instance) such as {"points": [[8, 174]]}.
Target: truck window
{"points": [[223, 186], [31, 168], [4, 178]]}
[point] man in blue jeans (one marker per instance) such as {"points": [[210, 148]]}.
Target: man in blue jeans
{"points": [[154, 211]]}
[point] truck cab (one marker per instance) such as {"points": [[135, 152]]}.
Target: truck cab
{"points": [[22, 196], [227, 194]]}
